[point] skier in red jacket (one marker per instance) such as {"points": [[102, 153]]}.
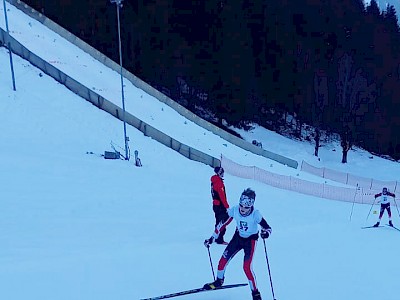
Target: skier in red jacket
{"points": [[385, 204], [220, 202]]}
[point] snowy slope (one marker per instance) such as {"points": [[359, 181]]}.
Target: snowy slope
{"points": [[76, 226]]}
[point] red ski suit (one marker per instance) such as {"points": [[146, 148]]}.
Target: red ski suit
{"points": [[220, 203]]}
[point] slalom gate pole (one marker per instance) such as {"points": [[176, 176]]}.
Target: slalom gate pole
{"points": [[269, 271], [370, 209], [211, 264]]}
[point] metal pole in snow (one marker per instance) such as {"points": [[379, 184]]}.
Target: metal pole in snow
{"points": [[8, 45], [118, 3]]}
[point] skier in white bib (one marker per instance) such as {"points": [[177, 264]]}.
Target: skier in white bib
{"points": [[247, 220], [385, 205]]}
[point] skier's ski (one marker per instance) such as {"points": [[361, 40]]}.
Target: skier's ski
{"points": [[193, 291], [393, 227], [371, 227]]}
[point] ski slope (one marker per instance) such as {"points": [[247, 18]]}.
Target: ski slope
{"points": [[76, 226]]}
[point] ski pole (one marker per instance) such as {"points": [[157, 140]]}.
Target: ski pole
{"points": [[269, 271], [354, 200], [370, 209], [396, 206], [209, 256]]}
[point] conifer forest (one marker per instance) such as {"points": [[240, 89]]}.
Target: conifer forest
{"points": [[333, 65]]}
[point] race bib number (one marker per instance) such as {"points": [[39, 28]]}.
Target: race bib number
{"points": [[243, 226]]}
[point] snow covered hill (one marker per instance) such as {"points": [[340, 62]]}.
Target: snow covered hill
{"points": [[76, 226]]}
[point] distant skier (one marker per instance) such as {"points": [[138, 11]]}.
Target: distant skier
{"points": [[247, 220], [385, 204], [138, 162], [220, 202]]}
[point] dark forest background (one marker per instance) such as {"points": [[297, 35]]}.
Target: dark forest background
{"points": [[334, 65]]}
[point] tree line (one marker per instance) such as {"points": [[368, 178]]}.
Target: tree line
{"points": [[334, 65]]}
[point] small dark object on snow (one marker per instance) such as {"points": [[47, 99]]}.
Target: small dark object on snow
{"points": [[112, 155]]}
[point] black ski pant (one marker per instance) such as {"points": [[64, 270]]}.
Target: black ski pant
{"points": [[383, 207], [220, 216]]}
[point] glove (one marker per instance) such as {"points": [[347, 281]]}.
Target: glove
{"points": [[208, 242], [265, 233]]}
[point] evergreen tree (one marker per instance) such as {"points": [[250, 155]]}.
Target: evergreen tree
{"points": [[373, 9]]}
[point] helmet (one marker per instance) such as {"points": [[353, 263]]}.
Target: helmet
{"points": [[247, 198], [384, 190], [219, 171]]}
